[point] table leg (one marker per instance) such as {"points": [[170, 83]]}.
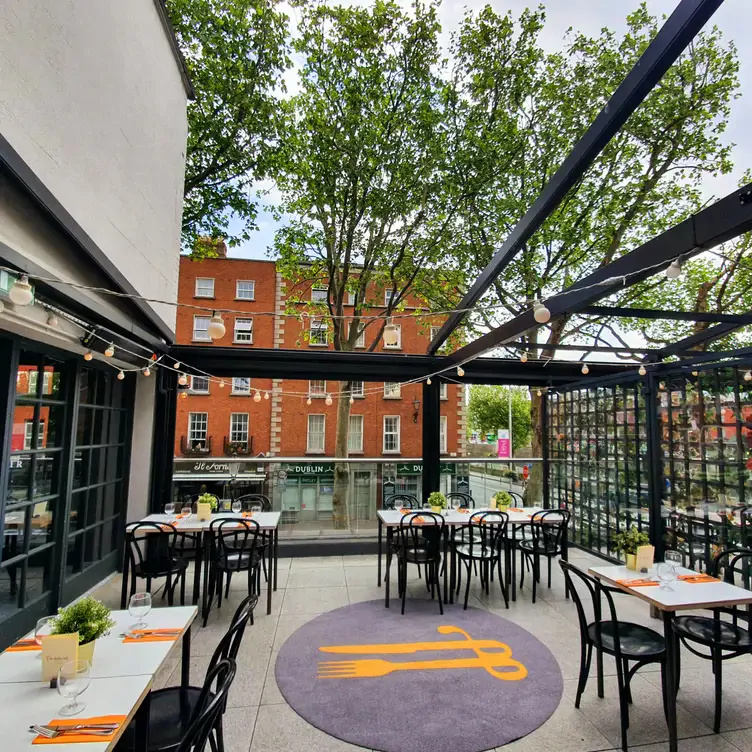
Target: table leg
{"points": [[142, 724], [513, 582], [275, 555], [197, 567], [205, 592], [269, 588], [378, 565], [124, 587], [185, 661], [453, 562], [446, 567], [671, 654]]}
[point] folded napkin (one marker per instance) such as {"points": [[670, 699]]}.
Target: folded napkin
{"points": [[247, 514], [74, 738], [153, 635], [23, 645], [639, 582], [699, 577], [405, 511], [516, 509], [418, 520], [463, 510]]}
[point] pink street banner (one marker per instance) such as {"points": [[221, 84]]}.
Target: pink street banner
{"points": [[504, 445]]}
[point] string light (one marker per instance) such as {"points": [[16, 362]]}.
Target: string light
{"points": [[585, 368], [642, 370], [523, 357], [308, 401], [328, 400], [540, 392], [52, 319], [21, 293], [352, 401], [110, 351], [221, 383], [674, 269], [266, 395], [216, 326], [176, 364], [695, 373], [428, 381], [748, 376], [391, 334], [183, 395], [88, 355], [460, 371], [121, 375], [540, 313], [183, 380], [257, 396], [147, 371]]}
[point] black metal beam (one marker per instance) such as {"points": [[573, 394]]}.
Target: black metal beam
{"points": [[586, 348], [649, 313], [329, 364], [431, 438], [715, 224], [670, 41], [686, 344]]}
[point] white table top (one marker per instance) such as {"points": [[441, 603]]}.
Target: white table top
{"points": [[112, 657], [393, 517], [23, 705], [684, 596], [266, 520]]}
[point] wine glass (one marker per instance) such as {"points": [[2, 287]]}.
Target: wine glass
{"points": [[187, 510], [42, 629], [666, 574], [456, 503], [237, 507], [426, 505], [73, 679], [673, 558], [169, 508], [138, 607]]}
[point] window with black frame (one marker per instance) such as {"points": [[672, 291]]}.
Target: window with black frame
{"points": [[99, 466], [34, 504]]}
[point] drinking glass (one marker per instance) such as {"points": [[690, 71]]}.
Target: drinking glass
{"points": [[237, 507], [42, 629], [187, 510], [73, 679], [139, 607], [456, 503], [169, 508], [666, 574], [673, 558], [426, 505]]}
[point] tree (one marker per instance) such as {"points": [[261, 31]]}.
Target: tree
{"points": [[365, 176], [488, 410], [645, 180], [236, 52]]}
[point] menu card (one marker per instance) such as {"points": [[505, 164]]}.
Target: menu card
{"points": [[645, 556], [57, 650]]}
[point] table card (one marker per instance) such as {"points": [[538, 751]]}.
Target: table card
{"points": [[57, 650], [645, 556], [203, 511]]}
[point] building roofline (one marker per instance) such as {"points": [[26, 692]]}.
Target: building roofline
{"points": [[175, 47]]}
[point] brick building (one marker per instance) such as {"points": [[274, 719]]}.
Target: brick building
{"points": [[216, 421]]}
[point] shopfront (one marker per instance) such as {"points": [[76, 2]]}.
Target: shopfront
{"points": [[407, 478], [227, 479]]}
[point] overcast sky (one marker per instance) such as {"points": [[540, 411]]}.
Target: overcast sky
{"points": [[734, 18]]}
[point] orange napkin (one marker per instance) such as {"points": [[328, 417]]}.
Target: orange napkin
{"points": [[639, 582], [418, 520], [699, 577], [23, 645], [153, 635], [72, 738], [463, 510], [405, 511], [247, 514], [517, 509]]}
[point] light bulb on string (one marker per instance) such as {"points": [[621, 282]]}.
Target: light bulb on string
{"points": [[21, 293], [748, 376], [695, 373], [674, 270], [216, 327], [266, 395], [642, 370], [460, 371], [183, 395], [183, 380], [352, 401], [221, 383], [391, 334], [308, 401], [540, 313], [328, 400], [540, 392], [176, 364], [110, 351], [52, 319], [147, 371], [428, 381], [121, 375], [88, 355], [585, 368], [523, 357], [257, 396]]}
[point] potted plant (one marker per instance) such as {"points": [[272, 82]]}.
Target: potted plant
{"points": [[501, 500], [628, 541], [210, 499], [90, 618], [438, 502]]}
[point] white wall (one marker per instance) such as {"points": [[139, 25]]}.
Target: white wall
{"points": [[92, 100], [141, 449]]}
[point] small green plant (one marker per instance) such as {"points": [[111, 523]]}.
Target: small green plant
{"points": [[503, 499], [89, 617], [437, 499], [628, 541], [210, 499]]}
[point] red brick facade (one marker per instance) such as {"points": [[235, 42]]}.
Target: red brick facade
{"points": [[278, 426]]}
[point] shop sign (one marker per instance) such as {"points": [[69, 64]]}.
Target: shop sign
{"points": [[416, 468], [297, 471], [202, 467]]}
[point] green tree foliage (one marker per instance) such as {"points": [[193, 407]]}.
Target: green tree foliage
{"points": [[237, 53], [488, 410]]}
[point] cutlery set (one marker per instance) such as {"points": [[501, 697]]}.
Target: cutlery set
{"points": [[85, 729]]}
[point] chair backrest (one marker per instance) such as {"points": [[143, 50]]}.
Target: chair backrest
{"points": [[231, 534], [209, 705], [229, 645], [745, 518], [401, 501], [149, 541], [518, 501], [421, 531], [255, 502], [596, 590], [734, 565], [549, 526], [465, 499], [487, 531]]}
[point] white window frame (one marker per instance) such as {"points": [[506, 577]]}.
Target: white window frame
{"points": [[443, 434], [245, 331], [443, 390], [350, 300], [236, 390], [29, 433], [197, 390], [361, 341], [311, 447], [234, 430], [196, 291], [317, 297], [33, 380], [388, 295], [358, 389], [319, 390], [396, 448], [434, 331], [395, 393], [197, 332], [355, 438], [251, 282], [318, 326], [192, 438], [397, 346]]}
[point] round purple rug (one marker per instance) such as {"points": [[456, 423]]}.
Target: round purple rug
{"points": [[463, 682]]}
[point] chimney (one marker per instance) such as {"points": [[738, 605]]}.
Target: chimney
{"points": [[213, 247]]}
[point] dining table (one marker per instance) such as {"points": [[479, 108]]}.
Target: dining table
{"points": [[454, 520], [684, 595], [123, 671], [191, 524]]}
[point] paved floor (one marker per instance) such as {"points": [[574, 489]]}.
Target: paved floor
{"points": [[259, 720]]}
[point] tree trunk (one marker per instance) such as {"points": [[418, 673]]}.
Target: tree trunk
{"points": [[534, 491], [342, 469]]}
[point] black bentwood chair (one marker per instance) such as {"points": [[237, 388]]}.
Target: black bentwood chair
{"points": [[258, 503], [724, 639], [236, 547], [466, 501], [399, 501], [625, 641], [153, 551], [547, 531], [486, 540]]}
